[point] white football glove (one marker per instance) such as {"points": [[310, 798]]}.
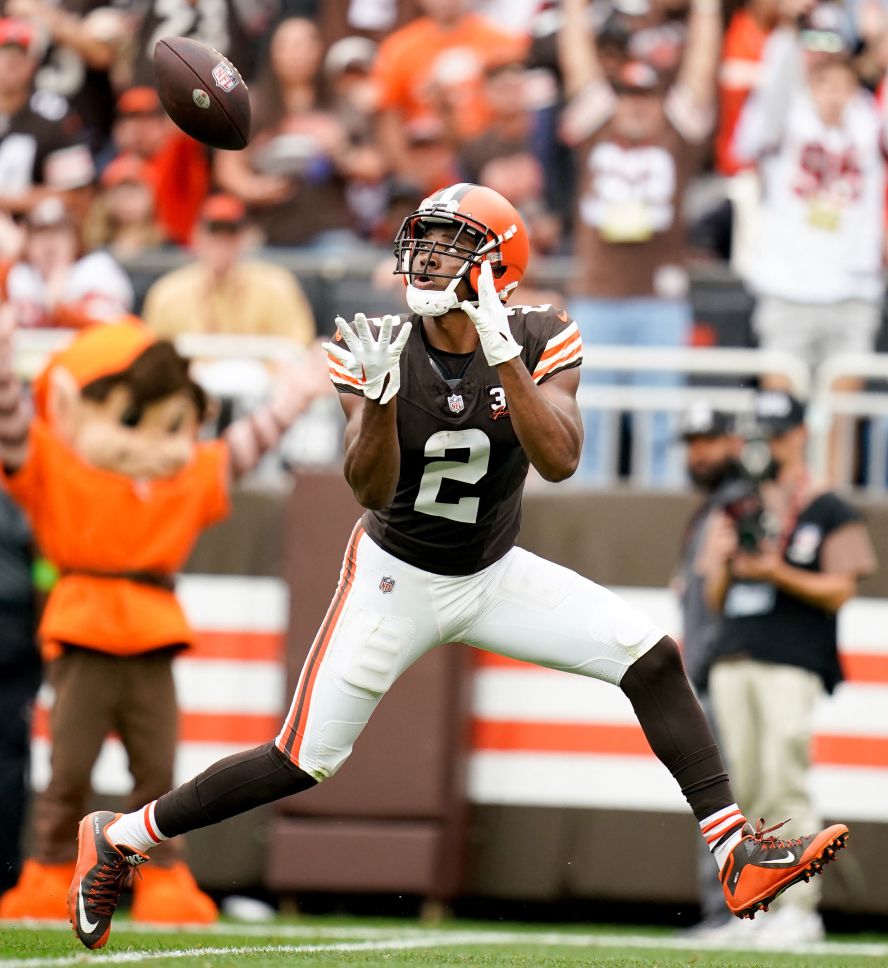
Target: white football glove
{"points": [[491, 320], [374, 362]]}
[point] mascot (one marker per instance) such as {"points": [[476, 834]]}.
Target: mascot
{"points": [[117, 488]]}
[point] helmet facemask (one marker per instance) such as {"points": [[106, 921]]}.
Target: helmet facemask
{"points": [[472, 242]]}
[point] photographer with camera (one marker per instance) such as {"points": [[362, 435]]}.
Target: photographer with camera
{"points": [[711, 463], [780, 558], [711, 449]]}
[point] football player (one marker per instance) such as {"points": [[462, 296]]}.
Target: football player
{"points": [[447, 408]]}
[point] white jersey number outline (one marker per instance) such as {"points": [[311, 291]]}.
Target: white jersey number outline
{"points": [[204, 20], [469, 471]]}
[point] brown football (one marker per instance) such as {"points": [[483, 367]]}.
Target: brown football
{"points": [[203, 92]]}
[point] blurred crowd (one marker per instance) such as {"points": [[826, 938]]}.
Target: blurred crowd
{"points": [[363, 107]]}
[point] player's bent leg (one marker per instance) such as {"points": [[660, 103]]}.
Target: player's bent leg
{"points": [[541, 612], [370, 635], [754, 868]]}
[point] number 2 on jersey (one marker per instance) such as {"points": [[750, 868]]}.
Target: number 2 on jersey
{"points": [[468, 471]]}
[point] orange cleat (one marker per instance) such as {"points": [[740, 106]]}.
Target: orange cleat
{"points": [[40, 893], [102, 873], [170, 895], [759, 867]]}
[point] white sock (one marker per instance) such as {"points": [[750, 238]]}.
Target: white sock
{"points": [[138, 830], [723, 830]]}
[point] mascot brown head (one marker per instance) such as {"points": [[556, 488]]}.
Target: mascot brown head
{"points": [[123, 401]]}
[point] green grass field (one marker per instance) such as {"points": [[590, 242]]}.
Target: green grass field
{"points": [[329, 943]]}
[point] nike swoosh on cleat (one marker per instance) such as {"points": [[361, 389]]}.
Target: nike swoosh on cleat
{"points": [[85, 921], [790, 857]]}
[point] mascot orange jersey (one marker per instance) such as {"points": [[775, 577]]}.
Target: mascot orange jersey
{"points": [[116, 540]]}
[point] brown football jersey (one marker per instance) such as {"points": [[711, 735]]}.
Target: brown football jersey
{"points": [[65, 72], [457, 505]]}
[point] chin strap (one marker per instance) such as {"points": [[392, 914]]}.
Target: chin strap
{"points": [[436, 302], [432, 302]]}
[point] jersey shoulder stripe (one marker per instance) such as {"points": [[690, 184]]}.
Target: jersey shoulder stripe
{"points": [[551, 339], [563, 350]]}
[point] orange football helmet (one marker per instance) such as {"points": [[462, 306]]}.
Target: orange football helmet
{"points": [[485, 226]]}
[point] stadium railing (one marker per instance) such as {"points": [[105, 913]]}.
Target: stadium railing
{"points": [[239, 370], [723, 377], [860, 418]]}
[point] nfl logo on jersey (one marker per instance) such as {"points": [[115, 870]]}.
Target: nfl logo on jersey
{"points": [[386, 584], [455, 402]]}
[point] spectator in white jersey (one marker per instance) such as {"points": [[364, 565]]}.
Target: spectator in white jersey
{"points": [[818, 139]]}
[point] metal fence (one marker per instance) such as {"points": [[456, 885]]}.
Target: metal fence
{"points": [[235, 368]]}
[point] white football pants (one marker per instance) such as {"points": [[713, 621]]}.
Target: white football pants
{"points": [[386, 614]]}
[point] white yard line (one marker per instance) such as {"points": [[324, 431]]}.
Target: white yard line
{"points": [[266, 929], [134, 957], [416, 939]]}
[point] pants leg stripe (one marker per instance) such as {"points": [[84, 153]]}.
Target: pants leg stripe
{"points": [[289, 740]]}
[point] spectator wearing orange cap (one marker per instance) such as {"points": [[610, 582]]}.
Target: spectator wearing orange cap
{"points": [[40, 146], [223, 292], [141, 126], [122, 218], [177, 166], [53, 284]]}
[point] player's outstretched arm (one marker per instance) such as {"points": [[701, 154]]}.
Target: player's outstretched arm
{"points": [[372, 454], [545, 418]]}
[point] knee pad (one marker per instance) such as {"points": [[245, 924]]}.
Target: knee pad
{"points": [[377, 658]]}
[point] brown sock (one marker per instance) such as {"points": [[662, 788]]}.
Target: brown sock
{"points": [[230, 787], [676, 728]]}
